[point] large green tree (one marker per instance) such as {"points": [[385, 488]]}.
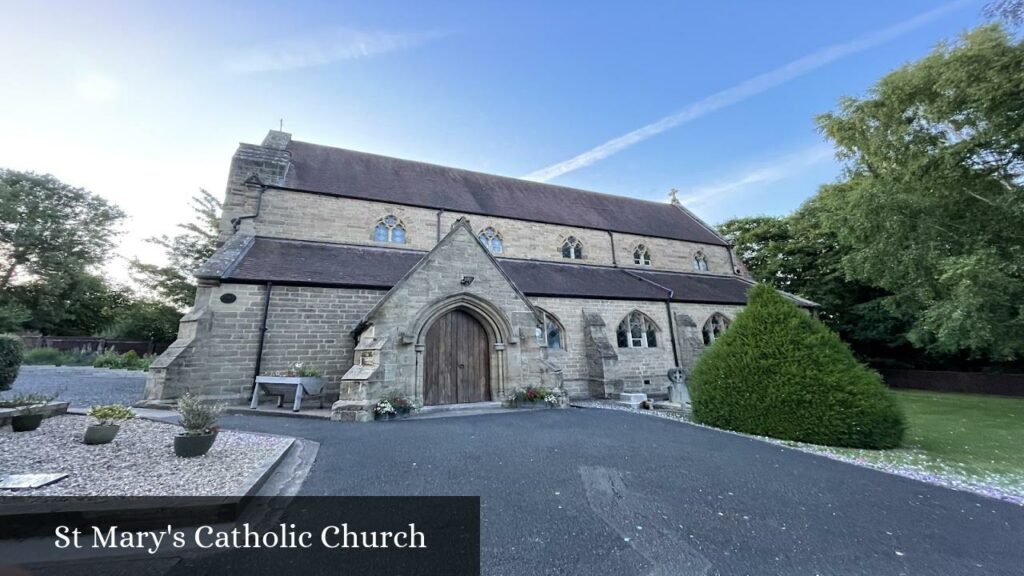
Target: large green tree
{"points": [[931, 203], [75, 303], [185, 252], [49, 228], [798, 255]]}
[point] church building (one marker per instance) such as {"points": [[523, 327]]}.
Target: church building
{"points": [[445, 285]]}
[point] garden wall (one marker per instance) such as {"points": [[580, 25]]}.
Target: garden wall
{"points": [[966, 382]]}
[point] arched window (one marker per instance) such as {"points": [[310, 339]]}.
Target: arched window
{"points": [[551, 335], [700, 262], [490, 238], [637, 331], [572, 248], [714, 327], [389, 229], [641, 255]]}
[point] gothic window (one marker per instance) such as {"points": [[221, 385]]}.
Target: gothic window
{"points": [[550, 336], [572, 248], [700, 262], [714, 327], [389, 229], [637, 331], [490, 238], [641, 255]]}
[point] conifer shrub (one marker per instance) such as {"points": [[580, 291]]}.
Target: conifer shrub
{"points": [[11, 354], [779, 372]]}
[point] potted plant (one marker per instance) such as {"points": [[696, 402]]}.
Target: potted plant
{"points": [[108, 419], [198, 419], [557, 398], [384, 410], [401, 405], [32, 410]]}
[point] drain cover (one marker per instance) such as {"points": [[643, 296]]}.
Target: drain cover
{"points": [[23, 481]]}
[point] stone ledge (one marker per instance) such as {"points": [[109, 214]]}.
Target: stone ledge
{"points": [[51, 409]]}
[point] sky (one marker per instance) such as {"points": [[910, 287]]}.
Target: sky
{"points": [[144, 103]]}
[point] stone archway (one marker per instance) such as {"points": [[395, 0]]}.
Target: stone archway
{"points": [[482, 332]]}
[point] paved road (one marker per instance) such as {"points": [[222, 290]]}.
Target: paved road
{"points": [[82, 386], [600, 492]]}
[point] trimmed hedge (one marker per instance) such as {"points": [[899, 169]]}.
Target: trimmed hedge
{"points": [[11, 355], [779, 372]]}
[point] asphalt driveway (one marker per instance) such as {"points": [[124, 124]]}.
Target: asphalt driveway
{"points": [[602, 492]]}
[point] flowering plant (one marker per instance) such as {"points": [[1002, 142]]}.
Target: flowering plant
{"points": [[399, 404], [297, 369], [529, 394], [384, 407], [554, 397]]}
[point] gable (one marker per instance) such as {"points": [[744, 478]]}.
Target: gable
{"points": [[458, 265]]}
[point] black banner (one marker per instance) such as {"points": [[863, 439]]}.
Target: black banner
{"points": [[191, 536]]}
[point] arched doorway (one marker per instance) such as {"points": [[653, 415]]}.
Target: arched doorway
{"points": [[457, 360]]}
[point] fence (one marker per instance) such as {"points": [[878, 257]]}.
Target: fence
{"points": [[91, 344], [967, 382]]}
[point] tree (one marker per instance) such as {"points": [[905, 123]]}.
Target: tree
{"points": [[799, 255], [779, 372], [185, 252], [72, 304], [931, 201], [146, 319], [48, 228]]}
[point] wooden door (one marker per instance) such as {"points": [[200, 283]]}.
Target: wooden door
{"points": [[457, 362]]}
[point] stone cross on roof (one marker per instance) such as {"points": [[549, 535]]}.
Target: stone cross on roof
{"points": [[673, 196]]}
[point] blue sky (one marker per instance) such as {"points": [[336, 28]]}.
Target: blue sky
{"points": [[144, 102]]}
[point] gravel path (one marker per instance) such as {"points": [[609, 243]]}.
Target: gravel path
{"points": [[139, 462], [82, 386]]}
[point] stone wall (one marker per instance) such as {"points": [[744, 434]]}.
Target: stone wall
{"points": [[298, 215], [216, 349], [314, 326], [636, 368], [215, 354]]}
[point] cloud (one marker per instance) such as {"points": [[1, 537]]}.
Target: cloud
{"points": [[774, 171], [319, 49], [95, 87], [742, 91]]}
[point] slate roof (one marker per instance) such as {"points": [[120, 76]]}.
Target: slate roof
{"points": [[341, 172], [346, 265]]}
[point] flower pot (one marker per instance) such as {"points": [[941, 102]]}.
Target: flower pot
{"points": [[97, 434], [26, 422], [386, 416], [192, 445]]}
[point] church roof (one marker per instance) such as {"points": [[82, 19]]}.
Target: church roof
{"points": [[346, 265], [348, 173]]}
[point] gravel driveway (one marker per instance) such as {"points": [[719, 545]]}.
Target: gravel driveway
{"points": [[82, 386], [587, 491]]}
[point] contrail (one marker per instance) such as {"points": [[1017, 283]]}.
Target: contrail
{"points": [[742, 91], [778, 169]]}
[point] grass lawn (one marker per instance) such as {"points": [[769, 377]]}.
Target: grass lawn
{"points": [[980, 433], [959, 440]]}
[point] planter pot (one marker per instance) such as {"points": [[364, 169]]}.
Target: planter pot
{"points": [[26, 422], [190, 446], [97, 434], [386, 416]]}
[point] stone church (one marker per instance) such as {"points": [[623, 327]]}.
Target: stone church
{"points": [[446, 285]]}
